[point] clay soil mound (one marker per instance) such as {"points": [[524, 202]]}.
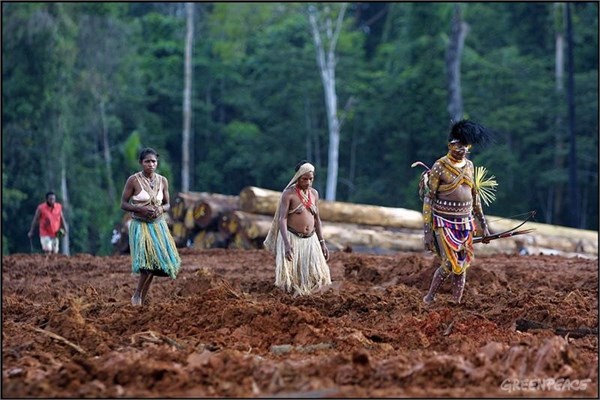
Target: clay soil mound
{"points": [[528, 327]]}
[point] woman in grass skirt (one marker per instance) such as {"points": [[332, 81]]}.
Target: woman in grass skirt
{"points": [[153, 251]]}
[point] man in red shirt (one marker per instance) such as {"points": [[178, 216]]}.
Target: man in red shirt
{"points": [[52, 223]]}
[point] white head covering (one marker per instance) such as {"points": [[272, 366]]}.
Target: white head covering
{"points": [[271, 240]]}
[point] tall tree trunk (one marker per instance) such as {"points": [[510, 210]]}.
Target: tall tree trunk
{"points": [[352, 168], [65, 246], [187, 100], [573, 186], [326, 62], [453, 56], [106, 151], [556, 193], [584, 205]]}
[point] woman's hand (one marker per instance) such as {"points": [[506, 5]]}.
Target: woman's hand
{"points": [[325, 250], [147, 212], [157, 211], [289, 252]]}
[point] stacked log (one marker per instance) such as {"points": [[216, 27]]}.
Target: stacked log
{"points": [[399, 229], [181, 213], [207, 220], [545, 236], [247, 230], [209, 210], [198, 223], [263, 201]]}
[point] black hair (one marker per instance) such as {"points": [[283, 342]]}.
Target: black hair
{"points": [[300, 164], [49, 194], [469, 132], [146, 151]]}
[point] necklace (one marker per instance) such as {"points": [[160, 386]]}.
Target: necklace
{"points": [[304, 197], [151, 182]]}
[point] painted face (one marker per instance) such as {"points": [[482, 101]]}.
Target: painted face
{"points": [[459, 150], [149, 164], [306, 180]]}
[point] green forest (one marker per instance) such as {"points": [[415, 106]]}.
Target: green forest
{"points": [[85, 86]]}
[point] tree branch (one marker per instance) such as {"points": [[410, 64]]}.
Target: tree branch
{"points": [[338, 28]]}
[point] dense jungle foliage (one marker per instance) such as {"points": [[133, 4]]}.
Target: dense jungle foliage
{"points": [[86, 85]]}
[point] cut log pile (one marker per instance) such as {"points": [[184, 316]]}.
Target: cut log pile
{"points": [[196, 219], [207, 220]]}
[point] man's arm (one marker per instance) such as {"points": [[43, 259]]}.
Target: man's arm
{"points": [[283, 214], [63, 222], [318, 226], [34, 222], [433, 184], [478, 212]]}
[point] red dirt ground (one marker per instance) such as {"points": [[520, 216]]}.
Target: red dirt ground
{"points": [[221, 329]]}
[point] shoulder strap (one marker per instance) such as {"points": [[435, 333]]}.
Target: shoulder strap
{"points": [[461, 176]]}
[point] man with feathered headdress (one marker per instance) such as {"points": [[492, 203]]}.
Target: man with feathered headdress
{"points": [[452, 201], [296, 237]]}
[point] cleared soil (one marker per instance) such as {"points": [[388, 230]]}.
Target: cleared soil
{"points": [[221, 329]]}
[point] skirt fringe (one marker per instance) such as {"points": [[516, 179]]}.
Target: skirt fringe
{"points": [[308, 270], [153, 248]]}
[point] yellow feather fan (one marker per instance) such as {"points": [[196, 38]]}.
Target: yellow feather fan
{"points": [[485, 186]]}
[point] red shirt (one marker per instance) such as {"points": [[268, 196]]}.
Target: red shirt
{"points": [[49, 219]]}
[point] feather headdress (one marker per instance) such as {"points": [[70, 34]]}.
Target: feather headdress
{"points": [[469, 132]]}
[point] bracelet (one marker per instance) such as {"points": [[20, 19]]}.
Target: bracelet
{"points": [[322, 241]]}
